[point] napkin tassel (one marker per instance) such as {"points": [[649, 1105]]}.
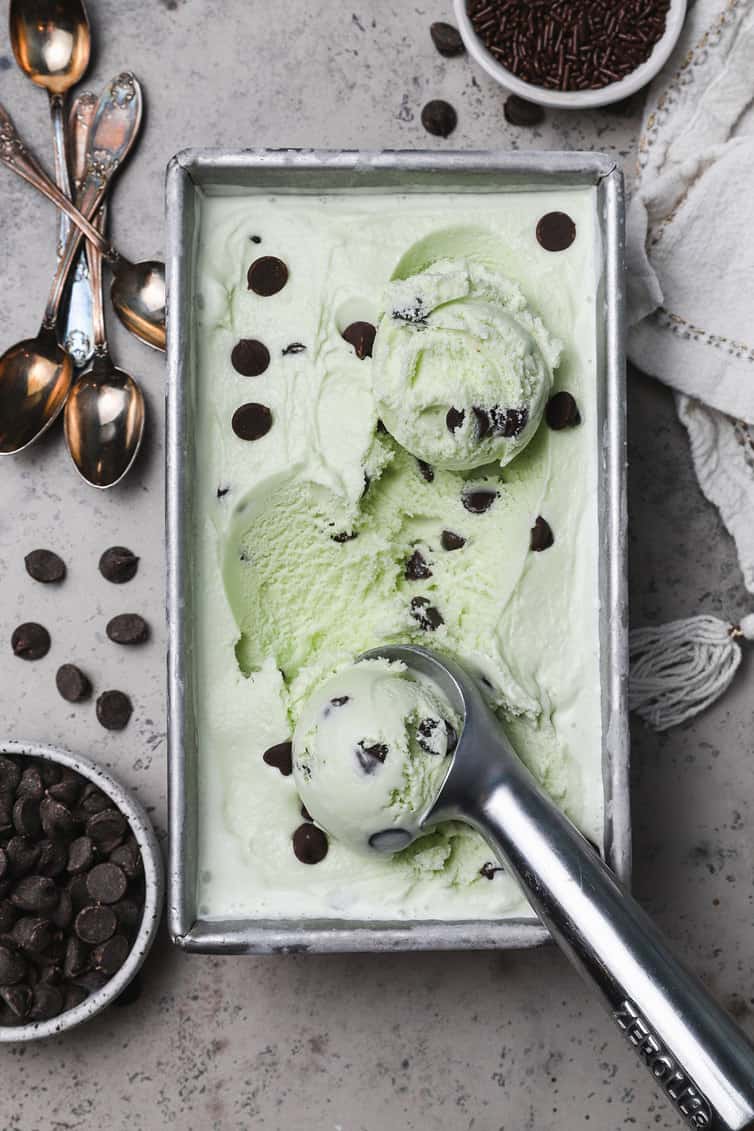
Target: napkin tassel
{"points": [[679, 669]]}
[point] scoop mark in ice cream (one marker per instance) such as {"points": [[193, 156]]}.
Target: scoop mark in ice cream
{"points": [[361, 336], [426, 470], [451, 541], [562, 411], [426, 616], [294, 347], [439, 118], [252, 421], [250, 357], [541, 535], [369, 757], [310, 844], [30, 641], [267, 275], [478, 501], [417, 568], [281, 757], [556, 231], [454, 418]]}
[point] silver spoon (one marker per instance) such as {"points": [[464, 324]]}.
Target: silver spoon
{"points": [[138, 290], [702, 1061], [78, 330]]}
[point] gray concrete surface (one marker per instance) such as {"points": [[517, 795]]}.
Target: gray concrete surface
{"points": [[493, 1042]]}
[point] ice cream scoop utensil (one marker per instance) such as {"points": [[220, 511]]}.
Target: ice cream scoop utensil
{"points": [[702, 1061]]}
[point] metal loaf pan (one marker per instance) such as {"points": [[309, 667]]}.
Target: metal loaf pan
{"points": [[194, 172]]}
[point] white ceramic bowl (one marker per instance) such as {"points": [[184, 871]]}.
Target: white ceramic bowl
{"points": [[574, 99], [154, 888]]}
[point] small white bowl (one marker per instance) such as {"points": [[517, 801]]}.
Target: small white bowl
{"points": [[574, 99], [154, 892]]}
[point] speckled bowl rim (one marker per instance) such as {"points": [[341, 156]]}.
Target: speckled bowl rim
{"points": [[154, 884], [575, 99]]}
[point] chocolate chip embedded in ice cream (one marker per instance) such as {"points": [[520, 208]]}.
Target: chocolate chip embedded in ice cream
{"points": [[426, 616], [426, 470], [280, 756], [360, 335], [562, 411], [310, 844], [252, 421], [556, 231], [450, 541], [541, 535], [416, 567], [267, 275], [371, 755], [454, 418], [479, 499], [250, 357]]}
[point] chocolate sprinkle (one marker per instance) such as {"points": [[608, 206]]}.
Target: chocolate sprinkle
{"points": [[541, 536], [361, 336], [340, 700], [281, 757], [294, 347], [447, 39], [556, 231], [118, 564], [30, 641], [451, 541], [250, 357], [426, 616], [252, 421], [127, 628], [439, 118], [520, 112], [44, 566], [72, 684], [114, 710], [454, 418], [310, 844], [562, 411], [478, 501], [267, 275]]}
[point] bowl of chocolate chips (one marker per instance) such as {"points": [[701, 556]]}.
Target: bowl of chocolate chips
{"points": [[81, 890], [572, 54]]}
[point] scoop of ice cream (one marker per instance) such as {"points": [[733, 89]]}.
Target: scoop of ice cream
{"points": [[371, 750], [461, 367]]}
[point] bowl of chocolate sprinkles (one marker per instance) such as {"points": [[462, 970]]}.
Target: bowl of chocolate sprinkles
{"points": [[571, 54], [81, 890]]}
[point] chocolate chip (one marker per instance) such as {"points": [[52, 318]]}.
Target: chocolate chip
{"points": [[345, 536], [78, 891], [305, 813], [109, 956], [118, 565], [281, 757], [114, 710], [250, 357], [541, 536], [439, 118], [369, 757], [447, 39], [32, 934], [294, 347], [57, 820], [35, 893], [93, 980], [68, 789], [128, 914], [53, 857], [8, 915], [479, 500], [426, 616], [72, 684], [50, 772], [340, 700], [127, 628], [95, 924], [309, 844], [31, 784], [255, 239], [93, 800], [497, 421], [451, 541], [17, 998], [10, 774], [267, 275], [521, 112], [44, 566], [12, 966], [74, 995], [361, 336], [222, 492], [562, 411], [80, 855], [22, 854], [556, 231], [417, 568], [26, 819], [106, 883], [454, 418], [107, 829], [426, 470], [488, 870], [252, 421], [47, 1003], [3, 863], [30, 641], [128, 857], [76, 959], [425, 731]]}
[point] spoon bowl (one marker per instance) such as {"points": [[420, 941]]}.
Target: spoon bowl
{"points": [[138, 296], [51, 41], [104, 423], [35, 379]]}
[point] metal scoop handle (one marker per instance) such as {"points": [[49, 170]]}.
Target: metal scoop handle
{"points": [[703, 1062]]}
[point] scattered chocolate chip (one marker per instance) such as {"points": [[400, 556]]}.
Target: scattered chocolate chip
{"points": [[252, 421], [426, 616], [72, 684], [417, 568], [118, 564], [479, 500], [250, 357], [447, 39], [47, 1002], [294, 347], [106, 883], [426, 470], [345, 536], [109, 956], [80, 855], [35, 893], [114, 710], [451, 541], [521, 112], [127, 628], [12, 966], [488, 870], [255, 239], [26, 820], [340, 700], [369, 757], [361, 336], [267, 275], [107, 829], [541, 536], [95, 924], [44, 566], [556, 231], [30, 641], [17, 998], [309, 844], [57, 820], [562, 411], [281, 757], [454, 418], [439, 118]]}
